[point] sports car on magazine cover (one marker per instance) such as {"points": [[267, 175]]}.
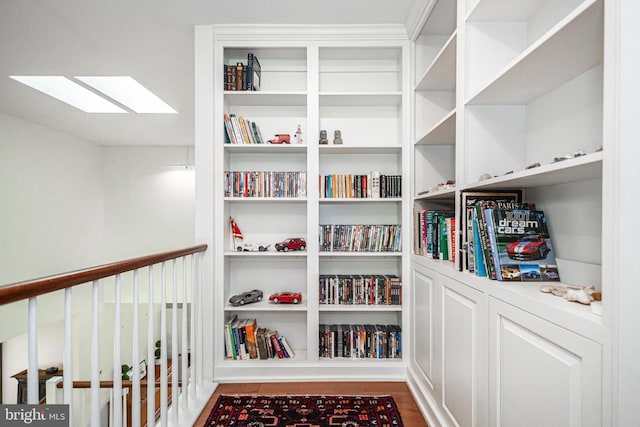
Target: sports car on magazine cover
{"points": [[529, 247]]}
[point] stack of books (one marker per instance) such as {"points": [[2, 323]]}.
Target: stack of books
{"points": [[245, 340], [238, 130], [241, 76]]}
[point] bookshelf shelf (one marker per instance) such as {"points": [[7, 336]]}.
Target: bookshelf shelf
{"points": [[448, 194], [442, 133], [265, 148], [566, 51], [266, 199], [328, 200], [566, 171], [358, 308], [360, 149], [266, 98], [360, 99], [265, 305], [327, 254], [438, 77], [272, 254]]}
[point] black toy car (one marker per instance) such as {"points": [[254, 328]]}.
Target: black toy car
{"points": [[246, 297]]}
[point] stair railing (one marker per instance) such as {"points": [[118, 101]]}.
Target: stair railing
{"points": [[186, 374]]}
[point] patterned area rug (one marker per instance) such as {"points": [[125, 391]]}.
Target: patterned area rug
{"points": [[305, 411]]}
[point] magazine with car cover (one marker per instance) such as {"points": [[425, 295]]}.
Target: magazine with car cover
{"points": [[523, 246]]}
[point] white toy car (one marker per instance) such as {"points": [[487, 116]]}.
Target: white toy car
{"points": [[252, 247]]}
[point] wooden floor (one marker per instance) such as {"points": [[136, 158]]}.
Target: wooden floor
{"points": [[409, 412]]}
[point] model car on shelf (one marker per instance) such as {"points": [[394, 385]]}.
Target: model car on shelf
{"points": [[532, 246], [291, 244], [286, 297], [252, 247], [281, 138], [246, 297]]}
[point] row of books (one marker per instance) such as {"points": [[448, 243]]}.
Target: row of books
{"points": [[265, 184], [373, 185], [435, 235], [238, 130], [244, 340], [243, 76], [509, 240], [360, 238], [356, 289], [360, 341]]}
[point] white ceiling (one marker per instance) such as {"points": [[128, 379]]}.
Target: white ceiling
{"points": [[150, 40]]}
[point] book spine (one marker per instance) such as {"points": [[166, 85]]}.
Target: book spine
{"points": [[493, 242], [239, 85], [276, 346], [249, 73], [484, 241]]}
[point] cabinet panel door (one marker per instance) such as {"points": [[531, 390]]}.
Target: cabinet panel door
{"points": [[541, 374], [462, 358], [423, 322]]}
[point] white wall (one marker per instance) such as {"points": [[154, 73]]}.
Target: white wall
{"points": [[51, 195], [69, 204], [145, 197]]}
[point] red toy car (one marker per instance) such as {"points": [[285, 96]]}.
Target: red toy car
{"points": [[291, 244], [529, 247], [289, 297], [281, 138]]}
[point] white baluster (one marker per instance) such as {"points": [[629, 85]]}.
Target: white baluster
{"points": [[200, 322], [117, 358], [135, 396], [151, 372], [194, 361], [175, 367], [33, 380], [95, 357], [185, 351], [68, 354], [163, 352]]}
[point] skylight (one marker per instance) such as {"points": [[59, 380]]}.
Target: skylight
{"points": [[72, 93], [124, 90], [128, 92]]}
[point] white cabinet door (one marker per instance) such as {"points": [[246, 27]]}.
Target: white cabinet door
{"points": [[541, 374], [425, 323], [463, 354]]}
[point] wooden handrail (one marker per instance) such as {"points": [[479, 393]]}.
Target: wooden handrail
{"points": [[109, 384], [33, 288]]}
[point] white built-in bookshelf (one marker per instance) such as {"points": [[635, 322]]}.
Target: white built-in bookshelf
{"points": [[499, 86], [357, 83]]}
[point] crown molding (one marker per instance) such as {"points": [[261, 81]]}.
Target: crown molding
{"points": [[418, 17], [293, 32]]}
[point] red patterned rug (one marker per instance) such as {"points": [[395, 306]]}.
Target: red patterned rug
{"points": [[305, 411]]}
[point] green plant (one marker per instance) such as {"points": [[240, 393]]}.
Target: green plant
{"points": [[125, 372], [158, 349]]}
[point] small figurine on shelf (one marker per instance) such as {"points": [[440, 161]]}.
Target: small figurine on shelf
{"points": [[297, 137], [337, 137], [323, 137]]}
